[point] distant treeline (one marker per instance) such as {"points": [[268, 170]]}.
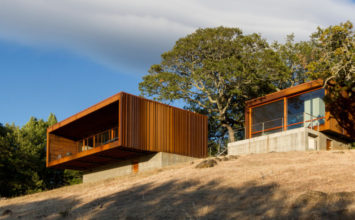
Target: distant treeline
{"points": [[23, 160]]}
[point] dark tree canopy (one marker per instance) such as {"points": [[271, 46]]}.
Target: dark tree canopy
{"points": [[335, 47], [296, 56], [23, 160]]}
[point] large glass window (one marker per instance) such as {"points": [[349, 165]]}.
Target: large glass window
{"points": [[267, 118], [308, 107]]}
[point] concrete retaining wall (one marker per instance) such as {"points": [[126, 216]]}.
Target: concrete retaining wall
{"points": [[143, 163], [300, 139]]}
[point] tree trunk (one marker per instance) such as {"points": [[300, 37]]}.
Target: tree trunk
{"points": [[230, 132]]}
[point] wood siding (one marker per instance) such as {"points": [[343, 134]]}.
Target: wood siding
{"points": [[151, 126], [295, 90], [144, 126], [60, 146]]}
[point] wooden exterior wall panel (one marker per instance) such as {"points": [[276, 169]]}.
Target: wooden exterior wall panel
{"points": [[285, 92], [152, 126], [335, 127], [60, 146]]}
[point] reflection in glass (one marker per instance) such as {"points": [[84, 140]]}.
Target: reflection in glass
{"points": [[267, 118], [306, 107], [305, 110]]}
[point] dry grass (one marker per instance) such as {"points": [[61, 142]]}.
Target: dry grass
{"points": [[293, 185]]}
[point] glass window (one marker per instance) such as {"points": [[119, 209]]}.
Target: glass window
{"points": [[306, 107], [267, 118]]}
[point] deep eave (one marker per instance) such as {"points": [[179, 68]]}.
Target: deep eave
{"points": [[304, 87], [85, 112], [100, 105]]}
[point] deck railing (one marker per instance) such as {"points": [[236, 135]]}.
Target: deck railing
{"points": [[99, 139], [276, 125]]}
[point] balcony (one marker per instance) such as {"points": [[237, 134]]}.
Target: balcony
{"points": [[98, 140], [73, 143], [281, 124], [93, 141]]}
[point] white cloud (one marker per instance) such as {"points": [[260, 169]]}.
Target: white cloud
{"points": [[131, 35]]}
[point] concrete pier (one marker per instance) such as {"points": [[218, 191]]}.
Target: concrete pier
{"points": [[139, 164], [300, 139]]}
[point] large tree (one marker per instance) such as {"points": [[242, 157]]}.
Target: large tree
{"points": [[335, 64], [296, 56], [215, 70]]}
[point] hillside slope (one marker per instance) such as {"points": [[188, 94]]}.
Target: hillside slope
{"points": [[315, 185]]}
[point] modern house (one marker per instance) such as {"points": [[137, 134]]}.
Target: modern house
{"points": [[295, 118], [126, 134]]}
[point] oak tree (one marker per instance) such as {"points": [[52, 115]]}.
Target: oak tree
{"points": [[335, 46], [216, 70]]}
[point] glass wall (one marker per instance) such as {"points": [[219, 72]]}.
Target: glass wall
{"points": [[308, 107], [267, 118], [307, 110]]}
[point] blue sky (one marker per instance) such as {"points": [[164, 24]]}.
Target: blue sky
{"points": [[35, 82], [64, 56]]}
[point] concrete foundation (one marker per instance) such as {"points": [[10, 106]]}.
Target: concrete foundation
{"points": [[300, 139], [139, 164]]}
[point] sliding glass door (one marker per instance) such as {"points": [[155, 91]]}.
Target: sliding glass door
{"points": [[306, 109]]}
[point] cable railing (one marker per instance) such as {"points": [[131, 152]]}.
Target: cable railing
{"points": [[99, 139], [280, 124]]}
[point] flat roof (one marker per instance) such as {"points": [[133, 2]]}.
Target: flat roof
{"points": [[286, 92], [100, 105]]}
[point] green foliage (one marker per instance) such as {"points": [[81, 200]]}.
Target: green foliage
{"points": [[11, 175], [296, 56], [23, 160], [214, 71], [71, 177], [335, 47]]}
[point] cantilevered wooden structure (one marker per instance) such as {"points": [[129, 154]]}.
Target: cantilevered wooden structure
{"points": [[297, 106], [123, 127]]}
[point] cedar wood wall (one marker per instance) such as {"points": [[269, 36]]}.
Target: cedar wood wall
{"points": [[61, 145], [152, 126]]}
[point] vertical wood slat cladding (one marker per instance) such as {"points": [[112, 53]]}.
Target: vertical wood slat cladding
{"points": [[60, 146], [152, 126], [334, 126]]}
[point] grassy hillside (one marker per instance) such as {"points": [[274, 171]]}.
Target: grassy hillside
{"points": [[310, 185]]}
